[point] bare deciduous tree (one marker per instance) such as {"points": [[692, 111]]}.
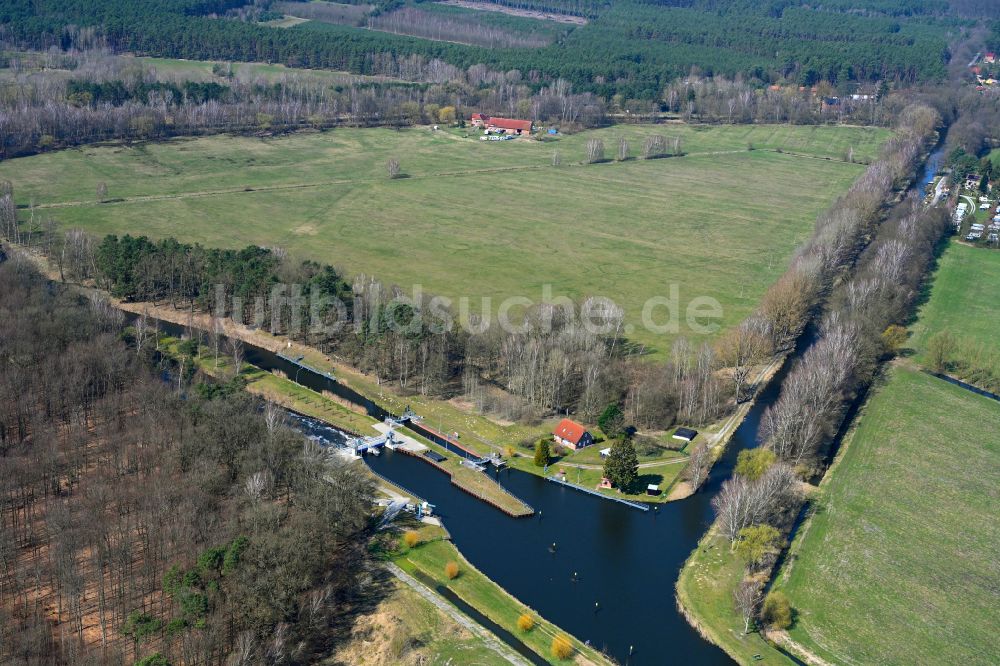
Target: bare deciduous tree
{"points": [[743, 347], [274, 417], [746, 598], [236, 353], [698, 465], [733, 507], [392, 167], [595, 151], [243, 651], [654, 146], [622, 149], [142, 331]]}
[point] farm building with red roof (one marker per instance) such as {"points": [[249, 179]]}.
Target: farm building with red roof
{"points": [[571, 434], [504, 125], [509, 125]]}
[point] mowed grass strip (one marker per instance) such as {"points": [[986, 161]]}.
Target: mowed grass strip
{"points": [[899, 564], [963, 301], [476, 219], [963, 296]]}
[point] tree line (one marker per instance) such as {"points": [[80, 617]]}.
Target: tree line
{"points": [[560, 366], [57, 99], [630, 48], [143, 525], [865, 310], [64, 99], [863, 326]]}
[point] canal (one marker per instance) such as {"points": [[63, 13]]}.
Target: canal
{"points": [[609, 579]]}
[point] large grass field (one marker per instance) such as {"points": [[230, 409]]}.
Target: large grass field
{"points": [[899, 565], [963, 301], [479, 219]]}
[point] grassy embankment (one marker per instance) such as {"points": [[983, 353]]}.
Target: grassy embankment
{"points": [[405, 628], [874, 569], [484, 435], [898, 564], [476, 431], [963, 302], [705, 593], [480, 219], [897, 575], [428, 559], [294, 396]]}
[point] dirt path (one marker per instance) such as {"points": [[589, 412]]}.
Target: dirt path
{"points": [[645, 465], [491, 641], [800, 651]]}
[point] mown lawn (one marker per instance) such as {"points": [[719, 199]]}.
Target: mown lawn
{"points": [[899, 564], [663, 476], [480, 219], [963, 301]]}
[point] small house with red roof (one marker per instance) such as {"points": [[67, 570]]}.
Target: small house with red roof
{"points": [[571, 434], [990, 58], [479, 119]]}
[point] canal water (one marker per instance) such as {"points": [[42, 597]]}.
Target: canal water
{"points": [[601, 570], [932, 166]]}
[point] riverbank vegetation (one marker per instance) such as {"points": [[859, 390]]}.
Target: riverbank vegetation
{"points": [[705, 594], [428, 560], [867, 566], [862, 289], [138, 523], [193, 354]]}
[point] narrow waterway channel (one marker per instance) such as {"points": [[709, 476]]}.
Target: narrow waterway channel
{"points": [[609, 579]]}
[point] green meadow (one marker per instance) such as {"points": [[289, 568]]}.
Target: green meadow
{"points": [[480, 219], [963, 302], [898, 565]]}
